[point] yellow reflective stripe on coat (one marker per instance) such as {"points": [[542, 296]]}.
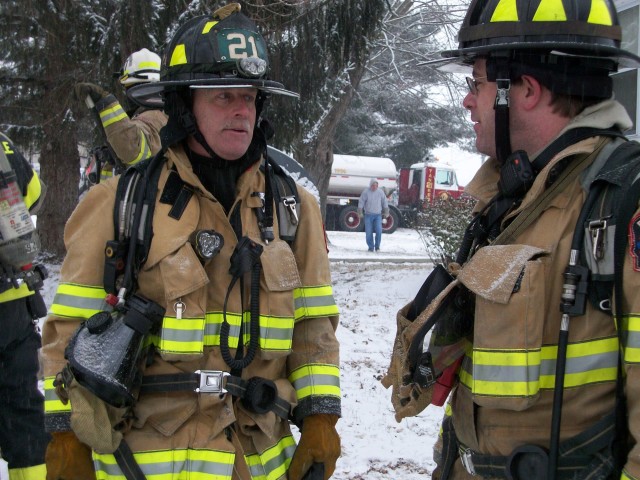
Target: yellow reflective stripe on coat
{"points": [[631, 334], [191, 335], [15, 293], [145, 150], [52, 403], [111, 115], [313, 302], [316, 379], [179, 464], [77, 301], [551, 11], [522, 373], [37, 472], [34, 190], [274, 462], [626, 476]]}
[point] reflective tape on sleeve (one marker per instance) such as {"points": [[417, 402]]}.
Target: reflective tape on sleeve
{"points": [[77, 301], [316, 380], [313, 302]]}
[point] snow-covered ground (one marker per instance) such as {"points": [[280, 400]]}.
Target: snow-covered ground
{"points": [[369, 289]]}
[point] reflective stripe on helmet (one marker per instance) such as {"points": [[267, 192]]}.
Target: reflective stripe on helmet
{"points": [[178, 56], [550, 11]]}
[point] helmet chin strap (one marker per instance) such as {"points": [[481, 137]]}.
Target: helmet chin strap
{"points": [[501, 107]]}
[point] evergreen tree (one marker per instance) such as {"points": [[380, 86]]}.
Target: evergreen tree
{"points": [[319, 48]]}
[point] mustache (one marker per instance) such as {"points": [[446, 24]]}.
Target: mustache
{"points": [[238, 125]]}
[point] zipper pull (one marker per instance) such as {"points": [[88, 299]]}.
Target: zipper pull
{"points": [[179, 307], [290, 203]]}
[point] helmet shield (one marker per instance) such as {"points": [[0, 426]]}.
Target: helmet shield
{"points": [[208, 52]]}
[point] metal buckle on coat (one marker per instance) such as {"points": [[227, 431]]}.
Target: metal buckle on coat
{"points": [[212, 381], [467, 460]]}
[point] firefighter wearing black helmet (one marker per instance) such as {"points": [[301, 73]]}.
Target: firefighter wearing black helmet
{"points": [[232, 363], [539, 390]]}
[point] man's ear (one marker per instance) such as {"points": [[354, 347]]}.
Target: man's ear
{"points": [[532, 92]]}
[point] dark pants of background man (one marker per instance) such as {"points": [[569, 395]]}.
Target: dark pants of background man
{"points": [[373, 224], [23, 439]]}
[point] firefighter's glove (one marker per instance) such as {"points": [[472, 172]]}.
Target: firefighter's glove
{"points": [[68, 459], [85, 89], [319, 443], [360, 213]]}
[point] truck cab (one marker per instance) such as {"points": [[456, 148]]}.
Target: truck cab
{"points": [[424, 182]]}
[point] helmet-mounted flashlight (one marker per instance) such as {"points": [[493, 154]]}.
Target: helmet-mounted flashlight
{"points": [[252, 67]]}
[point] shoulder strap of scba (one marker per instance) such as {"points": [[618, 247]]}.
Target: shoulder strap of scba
{"points": [[609, 237], [133, 213], [133, 226], [612, 178]]}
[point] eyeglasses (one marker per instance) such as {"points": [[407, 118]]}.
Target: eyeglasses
{"points": [[472, 83]]}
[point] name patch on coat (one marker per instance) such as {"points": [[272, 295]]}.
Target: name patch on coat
{"points": [[634, 241]]}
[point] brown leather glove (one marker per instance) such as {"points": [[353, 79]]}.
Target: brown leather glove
{"points": [[319, 443], [68, 459], [84, 89]]}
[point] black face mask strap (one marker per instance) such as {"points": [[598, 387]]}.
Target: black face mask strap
{"points": [[501, 106], [187, 120]]}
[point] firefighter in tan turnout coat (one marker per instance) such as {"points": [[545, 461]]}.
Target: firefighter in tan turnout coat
{"points": [[539, 387], [205, 408], [133, 133]]}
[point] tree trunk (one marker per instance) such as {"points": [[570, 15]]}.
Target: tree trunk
{"points": [[316, 154], [59, 159], [60, 171]]}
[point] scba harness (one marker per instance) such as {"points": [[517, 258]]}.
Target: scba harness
{"points": [[604, 234], [117, 378]]}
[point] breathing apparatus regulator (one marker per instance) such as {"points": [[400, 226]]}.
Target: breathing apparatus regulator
{"points": [[19, 241]]}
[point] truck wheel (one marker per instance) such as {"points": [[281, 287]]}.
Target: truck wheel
{"points": [[391, 223], [349, 221]]}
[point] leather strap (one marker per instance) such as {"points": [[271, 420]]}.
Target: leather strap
{"points": [[127, 463]]}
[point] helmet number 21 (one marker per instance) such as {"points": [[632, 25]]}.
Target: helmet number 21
{"points": [[241, 46]]}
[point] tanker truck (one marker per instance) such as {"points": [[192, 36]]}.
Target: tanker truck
{"points": [[409, 190]]}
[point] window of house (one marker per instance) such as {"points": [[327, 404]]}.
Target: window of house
{"points": [[625, 82]]}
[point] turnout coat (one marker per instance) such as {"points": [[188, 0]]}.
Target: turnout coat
{"points": [[178, 433], [506, 382]]}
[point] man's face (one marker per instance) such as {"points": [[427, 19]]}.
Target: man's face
{"points": [[480, 105], [374, 186], [226, 117]]}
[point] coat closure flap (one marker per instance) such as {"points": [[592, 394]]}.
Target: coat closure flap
{"points": [[493, 271], [170, 234]]}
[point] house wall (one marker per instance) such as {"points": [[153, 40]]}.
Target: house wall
{"points": [[625, 82]]}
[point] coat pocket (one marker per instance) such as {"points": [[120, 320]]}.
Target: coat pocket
{"points": [[509, 282], [277, 304], [183, 279]]}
